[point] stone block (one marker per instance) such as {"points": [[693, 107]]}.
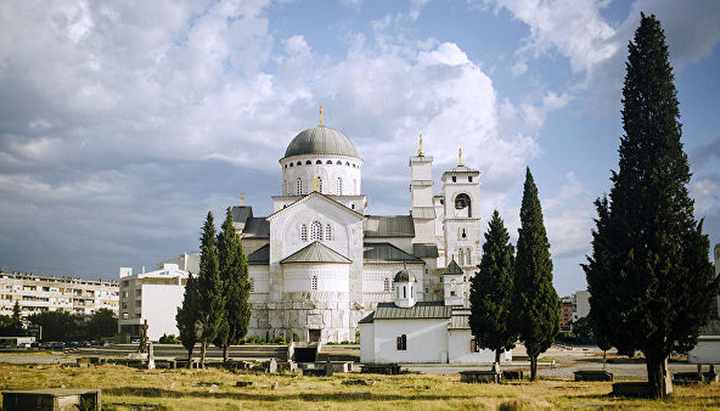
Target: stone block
{"points": [[638, 389], [480, 376], [52, 399], [593, 375]]}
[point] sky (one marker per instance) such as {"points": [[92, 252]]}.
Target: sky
{"points": [[123, 123]]}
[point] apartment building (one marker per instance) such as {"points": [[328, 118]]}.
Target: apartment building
{"points": [[36, 294]]}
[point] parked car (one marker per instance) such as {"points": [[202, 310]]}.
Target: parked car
{"points": [[57, 345]]}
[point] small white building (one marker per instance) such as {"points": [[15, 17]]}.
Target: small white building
{"points": [[581, 300], [153, 296], [410, 331]]}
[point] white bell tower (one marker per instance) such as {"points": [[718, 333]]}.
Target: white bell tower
{"points": [[461, 198]]}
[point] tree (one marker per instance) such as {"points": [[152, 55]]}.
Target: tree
{"points": [[56, 325], [491, 291], [102, 324], [236, 286], [536, 306], [187, 317], [210, 288], [650, 281]]}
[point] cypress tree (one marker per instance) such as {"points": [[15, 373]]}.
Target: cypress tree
{"points": [[210, 288], [234, 274], [650, 281], [187, 317], [491, 291], [536, 306]]}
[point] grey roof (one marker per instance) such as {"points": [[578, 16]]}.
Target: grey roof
{"points": [[404, 276], [453, 268], [389, 226], [257, 228], [387, 253], [712, 328], [461, 169], [368, 318], [425, 250], [261, 256], [422, 309], [316, 252], [320, 140], [241, 214]]}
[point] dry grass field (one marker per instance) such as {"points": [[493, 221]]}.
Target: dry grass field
{"points": [[127, 388]]}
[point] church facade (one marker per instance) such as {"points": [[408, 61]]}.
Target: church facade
{"points": [[319, 263]]}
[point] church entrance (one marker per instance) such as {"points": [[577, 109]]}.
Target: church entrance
{"points": [[313, 336]]}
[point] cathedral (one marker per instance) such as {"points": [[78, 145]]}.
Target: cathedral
{"points": [[319, 263]]}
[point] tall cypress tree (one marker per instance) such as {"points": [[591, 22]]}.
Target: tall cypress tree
{"points": [[491, 291], [187, 317], [650, 281], [536, 306], [210, 288], [234, 273]]}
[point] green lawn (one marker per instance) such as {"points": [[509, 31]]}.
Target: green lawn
{"points": [[127, 388]]}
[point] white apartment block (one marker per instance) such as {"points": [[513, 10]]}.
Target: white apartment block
{"points": [[36, 294], [153, 296]]}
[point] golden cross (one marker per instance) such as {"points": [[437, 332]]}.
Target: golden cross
{"points": [[460, 156], [321, 123], [420, 150], [242, 199]]}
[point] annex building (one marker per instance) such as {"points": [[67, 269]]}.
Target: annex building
{"points": [[320, 263]]}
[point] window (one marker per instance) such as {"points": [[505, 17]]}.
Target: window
{"points": [[299, 187], [338, 186], [474, 346], [328, 232], [402, 343], [328, 162], [454, 179], [299, 163], [463, 234], [314, 283], [469, 179], [468, 256], [318, 162], [404, 292], [308, 162], [386, 284], [303, 232], [339, 163], [461, 256], [316, 231], [353, 206], [462, 206], [252, 285]]}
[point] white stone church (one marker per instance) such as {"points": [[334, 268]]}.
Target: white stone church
{"points": [[319, 263]]}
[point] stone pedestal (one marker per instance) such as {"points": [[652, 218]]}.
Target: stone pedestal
{"points": [[593, 375], [52, 399]]}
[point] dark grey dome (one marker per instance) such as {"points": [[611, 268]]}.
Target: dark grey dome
{"points": [[320, 140], [404, 276]]}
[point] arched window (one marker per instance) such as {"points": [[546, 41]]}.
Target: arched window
{"points": [[318, 162], [303, 232], [328, 162], [316, 231], [299, 187], [328, 232], [338, 186], [461, 256], [468, 256], [299, 163], [339, 163], [404, 292], [463, 234], [462, 206], [402, 343], [308, 162], [314, 283]]}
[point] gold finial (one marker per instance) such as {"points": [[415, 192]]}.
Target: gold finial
{"points": [[460, 156], [242, 199], [321, 123], [316, 182], [420, 150]]}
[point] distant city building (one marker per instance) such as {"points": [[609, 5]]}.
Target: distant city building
{"points": [[566, 314], [581, 299], [707, 350], [411, 331], [37, 294], [153, 296]]}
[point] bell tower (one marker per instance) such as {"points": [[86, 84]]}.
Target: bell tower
{"points": [[461, 195]]}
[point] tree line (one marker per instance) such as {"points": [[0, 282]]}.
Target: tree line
{"points": [[215, 308], [652, 286]]}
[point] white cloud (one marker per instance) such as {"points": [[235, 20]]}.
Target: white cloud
{"points": [[568, 218]]}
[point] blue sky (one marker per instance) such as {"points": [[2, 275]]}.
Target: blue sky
{"points": [[121, 124]]}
